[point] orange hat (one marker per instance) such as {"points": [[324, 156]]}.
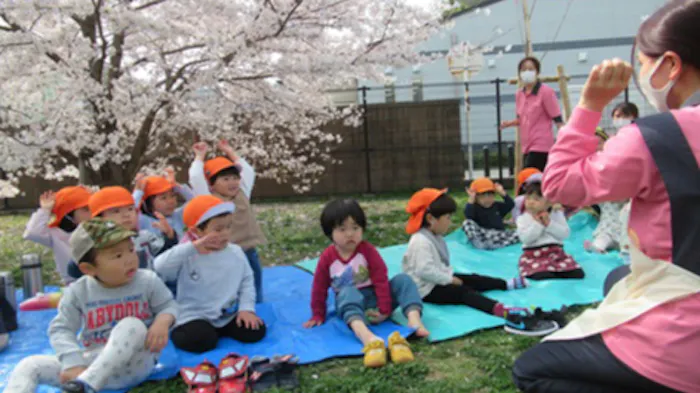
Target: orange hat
{"points": [[156, 185], [418, 205], [69, 199], [205, 207], [216, 165], [482, 185], [525, 174], [109, 198]]}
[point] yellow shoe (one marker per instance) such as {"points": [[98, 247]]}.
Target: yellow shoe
{"points": [[375, 354], [399, 350]]}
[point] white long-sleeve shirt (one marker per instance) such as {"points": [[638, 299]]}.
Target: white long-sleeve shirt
{"points": [[424, 263], [56, 239], [209, 286], [533, 234]]}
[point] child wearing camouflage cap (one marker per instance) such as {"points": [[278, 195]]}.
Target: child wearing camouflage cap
{"points": [[123, 314]]}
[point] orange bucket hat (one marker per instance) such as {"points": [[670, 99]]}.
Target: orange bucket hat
{"points": [[418, 205], [203, 208], [68, 199], [156, 185], [525, 174], [109, 198], [482, 185], [216, 165]]}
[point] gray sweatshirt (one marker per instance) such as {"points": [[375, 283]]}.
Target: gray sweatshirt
{"points": [[95, 309], [212, 286], [427, 261]]}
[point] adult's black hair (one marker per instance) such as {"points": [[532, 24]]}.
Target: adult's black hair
{"points": [[534, 61], [444, 204], [337, 211], [228, 171], [68, 222], [203, 226], [534, 188], [626, 109], [673, 27], [147, 206]]}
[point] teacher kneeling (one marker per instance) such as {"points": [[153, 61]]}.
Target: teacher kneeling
{"points": [[645, 335]]}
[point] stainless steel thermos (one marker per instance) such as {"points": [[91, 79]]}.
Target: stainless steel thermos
{"points": [[8, 303], [31, 275]]}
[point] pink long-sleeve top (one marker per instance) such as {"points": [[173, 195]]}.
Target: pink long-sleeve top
{"points": [[662, 344], [536, 112]]}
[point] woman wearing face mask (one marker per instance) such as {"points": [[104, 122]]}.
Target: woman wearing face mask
{"points": [[624, 114], [537, 107], [645, 336]]}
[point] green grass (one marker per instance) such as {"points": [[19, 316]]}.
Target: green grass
{"points": [[479, 363]]}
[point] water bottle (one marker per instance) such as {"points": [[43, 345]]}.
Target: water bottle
{"points": [[31, 275], [8, 301]]}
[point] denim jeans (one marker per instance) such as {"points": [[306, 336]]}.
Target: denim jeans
{"points": [[351, 303], [254, 261]]}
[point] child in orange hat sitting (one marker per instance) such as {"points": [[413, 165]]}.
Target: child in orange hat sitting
{"points": [[543, 229], [231, 179], [118, 205], [157, 198], [69, 206], [358, 276], [427, 262], [483, 216], [215, 284]]}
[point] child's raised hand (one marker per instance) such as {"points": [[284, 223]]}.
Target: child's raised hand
{"points": [[225, 147], [312, 323], [200, 150], [472, 195], [47, 200], [248, 320], [164, 226], [500, 190], [140, 181], [208, 243], [375, 317], [170, 175]]}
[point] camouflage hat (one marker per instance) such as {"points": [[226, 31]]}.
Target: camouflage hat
{"points": [[96, 233]]}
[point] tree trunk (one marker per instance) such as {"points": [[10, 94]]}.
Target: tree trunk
{"points": [[108, 175]]}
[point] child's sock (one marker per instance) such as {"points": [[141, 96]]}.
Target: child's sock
{"points": [[517, 283], [499, 310]]}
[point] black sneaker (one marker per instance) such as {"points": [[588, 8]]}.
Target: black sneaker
{"points": [[76, 386], [523, 323], [558, 316]]}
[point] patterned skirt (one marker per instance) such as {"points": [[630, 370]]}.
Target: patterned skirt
{"points": [[550, 259]]}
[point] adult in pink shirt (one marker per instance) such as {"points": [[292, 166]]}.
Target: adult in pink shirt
{"points": [[654, 162], [537, 107]]}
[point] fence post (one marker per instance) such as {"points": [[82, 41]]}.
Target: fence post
{"points": [[487, 164], [511, 160], [627, 94], [498, 128], [365, 124]]}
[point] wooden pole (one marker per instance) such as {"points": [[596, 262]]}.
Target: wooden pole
{"points": [[528, 52], [564, 91]]}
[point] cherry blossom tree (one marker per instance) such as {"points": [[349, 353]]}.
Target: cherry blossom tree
{"points": [[99, 89]]}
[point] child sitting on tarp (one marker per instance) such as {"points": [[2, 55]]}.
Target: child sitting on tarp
{"points": [[483, 216], [427, 262], [358, 276], [525, 177], [69, 207], [157, 199], [607, 234], [543, 229], [215, 283], [111, 323]]}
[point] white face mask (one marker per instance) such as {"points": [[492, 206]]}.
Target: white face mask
{"points": [[619, 123], [528, 76], [656, 97]]}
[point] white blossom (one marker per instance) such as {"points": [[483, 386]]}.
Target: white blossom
{"points": [[112, 86]]}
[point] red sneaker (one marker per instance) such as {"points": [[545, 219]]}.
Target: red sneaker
{"points": [[233, 374], [200, 379]]}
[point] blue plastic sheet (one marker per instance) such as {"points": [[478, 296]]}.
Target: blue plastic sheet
{"points": [[446, 322], [288, 296]]}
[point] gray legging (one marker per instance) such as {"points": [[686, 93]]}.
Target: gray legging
{"points": [[616, 275]]}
